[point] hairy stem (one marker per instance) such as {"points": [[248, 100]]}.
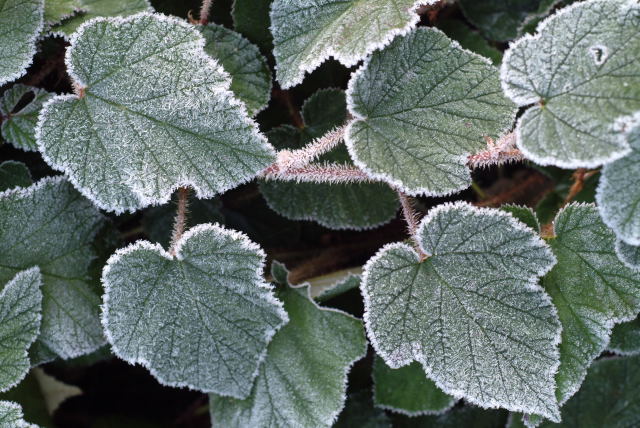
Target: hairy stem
{"points": [[204, 11], [292, 159], [579, 177], [412, 220], [180, 220], [497, 153], [329, 173]]}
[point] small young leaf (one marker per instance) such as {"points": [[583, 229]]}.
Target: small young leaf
{"points": [[18, 126], [201, 319], [524, 214], [418, 119], [625, 338], [11, 416], [305, 33], [628, 254], [407, 390], [20, 315], [153, 113], [581, 72], [251, 19], [250, 74], [50, 225], [21, 23], [618, 193], [471, 312], [14, 174], [302, 381], [95, 8]]}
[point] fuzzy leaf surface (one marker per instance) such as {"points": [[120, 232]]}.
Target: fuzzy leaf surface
{"points": [[96, 8], [307, 33], [50, 225], [14, 174], [57, 10], [201, 319], [156, 114], [418, 119], [581, 71], [11, 416], [21, 23], [18, 126], [302, 381], [471, 312], [20, 316], [628, 254]]}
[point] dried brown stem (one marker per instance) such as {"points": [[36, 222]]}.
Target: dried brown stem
{"points": [[180, 220]]}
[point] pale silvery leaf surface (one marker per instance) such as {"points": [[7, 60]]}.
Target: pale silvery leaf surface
{"points": [[407, 390], [581, 71], [14, 174], [302, 382], [57, 10], [625, 338], [18, 126], [336, 206], [20, 316], [11, 416], [50, 225], [90, 9], [306, 33], [590, 288], [618, 194], [200, 319], [422, 105], [250, 74], [156, 114], [471, 312], [628, 254], [20, 25]]}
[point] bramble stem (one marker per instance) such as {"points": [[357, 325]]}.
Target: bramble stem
{"points": [[292, 159], [329, 173], [180, 220], [204, 11], [497, 153], [411, 218]]}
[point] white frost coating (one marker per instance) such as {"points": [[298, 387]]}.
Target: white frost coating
{"points": [[50, 225], [11, 416], [578, 93], [628, 254], [307, 34], [472, 313], [21, 22], [129, 142], [201, 320], [20, 316], [418, 120]]}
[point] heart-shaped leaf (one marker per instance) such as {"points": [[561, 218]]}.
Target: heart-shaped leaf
{"points": [[18, 126]]}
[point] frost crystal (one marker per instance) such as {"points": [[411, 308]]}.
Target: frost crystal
{"points": [[202, 319], [11, 416], [582, 72], [628, 254], [306, 33], [50, 225], [471, 312], [18, 126], [152, 112], [302, 382], [418, 119]]}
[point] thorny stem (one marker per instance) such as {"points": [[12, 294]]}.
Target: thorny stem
{"points": [[291, 159], [329, 173], [411, 218], [180, 220], [204, 11], [497, 153]]}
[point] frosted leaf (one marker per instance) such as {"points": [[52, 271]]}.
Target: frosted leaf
{"points": [[57, 10], [124, 143], [251, 19], [11, 416], [618, 193], [250, 74], [407, 390], [21, 23], [14, 174], [625, 338], [336, 206], [20, 315], [305, 34], [50, 225], [95, 8], [471, 312], [582, 71], [302, 381], [348, 283], [525, 214], [418, 118], [18, 126], [628, 254], [591, 290], [201, 319]]}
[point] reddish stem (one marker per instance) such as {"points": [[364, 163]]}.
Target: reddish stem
{"points": [[180, 220]]}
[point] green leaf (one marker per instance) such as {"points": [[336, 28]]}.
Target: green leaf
{"points": [[20, 316], [96, 8], [469, 39], [407, 390], [618, 193], [359, 412], [581, 72], [471, 312], [14, 174], [625, 338], [57, 10], [250, 74], [200, 318], [628, 254], [335, 206], [251, 19], [305, 34], [302, 381], [468, 416], [30, 397], [591, 290], [11, 416], [525, 214], [18, 126], [156, 114], [21, 23], [348, 283], [418, 119], [50, 225]]}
